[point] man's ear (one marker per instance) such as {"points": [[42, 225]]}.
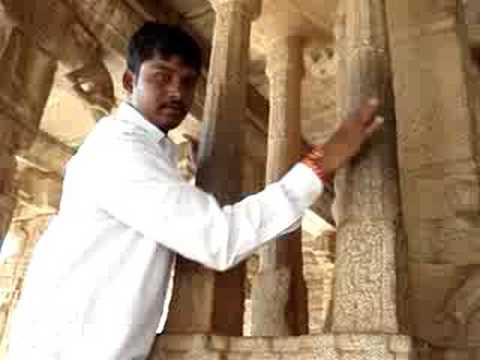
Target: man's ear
{"points": [[128, 80]]}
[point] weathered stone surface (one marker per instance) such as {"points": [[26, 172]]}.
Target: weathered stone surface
{"points": [[322, 347], [24, 87], [318, 270], [436, 108], [367, 204]]}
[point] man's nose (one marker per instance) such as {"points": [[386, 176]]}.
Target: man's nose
{"points": [[174, 89]]}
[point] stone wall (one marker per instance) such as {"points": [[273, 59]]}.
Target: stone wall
{"points": [[325, 347]]}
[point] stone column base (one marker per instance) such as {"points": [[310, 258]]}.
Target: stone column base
{"points": [[318, 347]]}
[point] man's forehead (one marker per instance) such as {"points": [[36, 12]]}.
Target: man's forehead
{"points": [[172, 62]]}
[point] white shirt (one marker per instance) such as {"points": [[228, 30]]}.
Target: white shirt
{"points": [[96, 285]]}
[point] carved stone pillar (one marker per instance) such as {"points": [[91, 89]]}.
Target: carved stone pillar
{"points": [[438, 157], [367, 203], [25, 83], [279, 303], [216, 300], [318, 269]]}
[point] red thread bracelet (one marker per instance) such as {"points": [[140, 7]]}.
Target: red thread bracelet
{"points": [[314, 160]]}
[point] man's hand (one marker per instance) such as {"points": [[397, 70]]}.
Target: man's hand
{"points": [[346, 141]]}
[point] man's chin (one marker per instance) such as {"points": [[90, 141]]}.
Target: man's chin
{"points": [[167, 123]]}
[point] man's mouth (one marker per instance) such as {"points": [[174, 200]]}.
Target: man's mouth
{"points": [[173, 108]]}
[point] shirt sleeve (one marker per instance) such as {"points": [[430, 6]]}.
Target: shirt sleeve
{"points": [[139, 188]]}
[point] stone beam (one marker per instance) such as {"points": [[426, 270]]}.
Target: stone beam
{"points": [[55, 28]]}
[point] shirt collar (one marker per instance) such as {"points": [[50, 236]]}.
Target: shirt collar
{"points": [[128, 113]]}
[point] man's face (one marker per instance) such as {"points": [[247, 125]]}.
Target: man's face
{"points": [[162, 91]]}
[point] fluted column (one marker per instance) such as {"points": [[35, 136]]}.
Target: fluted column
{"points": [[25, 83], [367, 204], [279, 293], [215, 301]]}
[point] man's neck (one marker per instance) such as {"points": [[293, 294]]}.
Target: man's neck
{"points": [[165, 132]]}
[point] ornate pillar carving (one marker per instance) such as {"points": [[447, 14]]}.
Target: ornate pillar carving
{"points": [[279, 302], [26, 80], [209, 296], [438, 156], [367, 203]]}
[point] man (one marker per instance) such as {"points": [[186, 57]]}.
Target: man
{"points": [[97, 281]]}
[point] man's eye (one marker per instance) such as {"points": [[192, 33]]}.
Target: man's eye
{"points": [[163, 77]]}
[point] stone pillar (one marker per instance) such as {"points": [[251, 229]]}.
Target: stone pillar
{"points": [[367, 203], [318, 269], [25, 83], [7, 159], [13, 269], [438, 157], [279, 292], [215, 301]]}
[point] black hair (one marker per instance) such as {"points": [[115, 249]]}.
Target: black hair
{"points": [[156, 39]]}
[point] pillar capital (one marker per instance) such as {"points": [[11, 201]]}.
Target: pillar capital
{"points": [[285, 55], [250, 8]]}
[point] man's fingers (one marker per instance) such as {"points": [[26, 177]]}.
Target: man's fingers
{"points": [[368, 111], [375, 125]]}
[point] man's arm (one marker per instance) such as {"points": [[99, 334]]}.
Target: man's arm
{"points": [[141, 191]]}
